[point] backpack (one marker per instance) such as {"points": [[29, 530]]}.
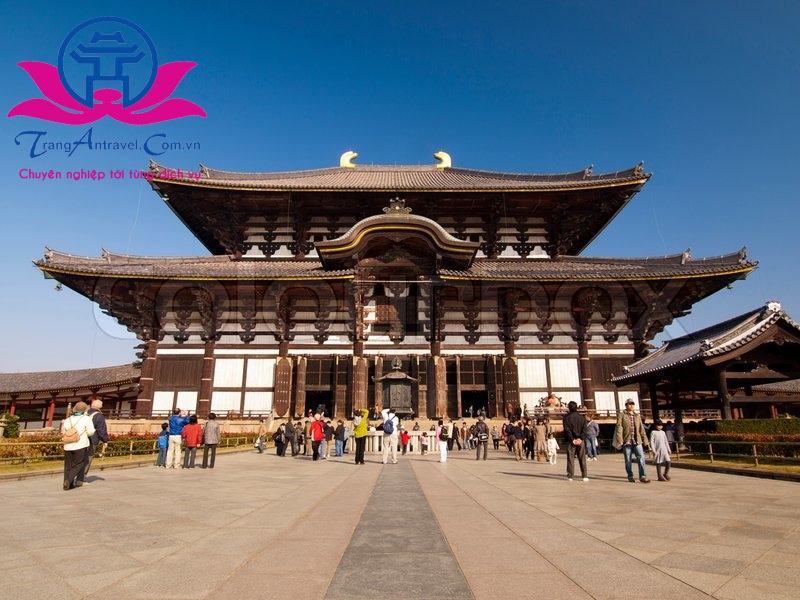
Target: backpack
{"points": [[443, 434], [70, 435], [388, 426]]}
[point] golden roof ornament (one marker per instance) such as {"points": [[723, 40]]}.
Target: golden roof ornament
{"points": [[396, 206], [445, 162], [346, 159]]}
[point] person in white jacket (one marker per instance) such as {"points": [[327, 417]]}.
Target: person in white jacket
{"points": [[76, 453], [390, 439]]}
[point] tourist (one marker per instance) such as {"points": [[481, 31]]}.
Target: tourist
{"points": [[516, 429], [211, 439], [495, 437], [423, 443], [291, 438], [339, 437], [75, 453], [404, 439], [192, 435], [177, 422], [391, 426], [305, 437], [660, 447], [481, 432], [629, 435], [463, 434], [540, 437], [592, 433], [316, 431], [416, 426], [443, 436], [574, 432], [454, 437], [552, 448], [279, 438], [162, 443], [262, 436], [325, 447], [360, 430], [100, 435]]}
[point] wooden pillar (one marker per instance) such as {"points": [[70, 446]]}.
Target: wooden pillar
{"points": [[144, 402], [359, 371], [437, 375], [282, 403], [459, 407], [490, 377], [510, 385], [415, 394], [12, 407], [300, 386], [651, 386], [678, 408], [51, 409], [206, 380], [725, 400], [585, 372], [378, 387]]}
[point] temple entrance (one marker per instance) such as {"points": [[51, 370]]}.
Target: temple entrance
{"points": [[477, 400], [320, 401]]}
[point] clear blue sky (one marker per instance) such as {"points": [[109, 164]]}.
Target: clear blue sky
{"points": [[706, 93]]}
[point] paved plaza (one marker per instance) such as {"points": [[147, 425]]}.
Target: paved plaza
{"points": [[260, 526]]}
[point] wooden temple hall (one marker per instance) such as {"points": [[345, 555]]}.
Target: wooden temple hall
{"points": [[431, 289]]}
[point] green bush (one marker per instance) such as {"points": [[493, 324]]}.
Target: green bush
{"points": [[12, 425], [759, 426]]}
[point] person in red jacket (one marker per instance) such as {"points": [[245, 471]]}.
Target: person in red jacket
{"points": [[404, 438], [316, 432], [192, 435]]}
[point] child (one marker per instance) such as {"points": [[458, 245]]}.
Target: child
{"points": [[552, 448], [661, 451], [423, 442], [404, 439], [162, 443]]}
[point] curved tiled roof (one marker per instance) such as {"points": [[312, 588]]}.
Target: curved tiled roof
{"points": [[229, 267], [712, 341], [79, 379], [393, 178]]}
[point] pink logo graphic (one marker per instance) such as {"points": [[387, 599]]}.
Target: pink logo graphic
{"points": [[99, 66]]}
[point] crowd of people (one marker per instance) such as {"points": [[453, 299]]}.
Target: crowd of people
{"points": [[524, 437]]}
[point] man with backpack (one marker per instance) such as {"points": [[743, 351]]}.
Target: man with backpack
{"points": [[100, 435], [391, 427], [482, 437]]}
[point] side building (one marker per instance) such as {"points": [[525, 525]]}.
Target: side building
{"points": [[431, 289]]}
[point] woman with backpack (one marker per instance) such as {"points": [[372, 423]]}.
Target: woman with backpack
{"points": [[75, 432]]}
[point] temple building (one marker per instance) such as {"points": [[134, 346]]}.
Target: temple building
{"points": [[432, 289]]}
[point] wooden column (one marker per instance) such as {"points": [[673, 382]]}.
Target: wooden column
{"points": [[651, 387], [283, 388], [585, 373], [359, 371], [437, 375], [678, 408], [144, 402], [415, 395], [51, 409], [12, 407], [722, 386], [206, 380], [510, 385], [300, 386], [459, 407], [377, 400]]}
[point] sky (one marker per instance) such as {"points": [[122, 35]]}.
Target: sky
{"points": [[705, 93]]}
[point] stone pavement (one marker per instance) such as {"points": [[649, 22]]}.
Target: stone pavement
{"points": [[260, 526]]}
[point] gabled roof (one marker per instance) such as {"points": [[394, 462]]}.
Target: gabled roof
{"points": [[710, 342], [397, 178], [79, 379]]}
